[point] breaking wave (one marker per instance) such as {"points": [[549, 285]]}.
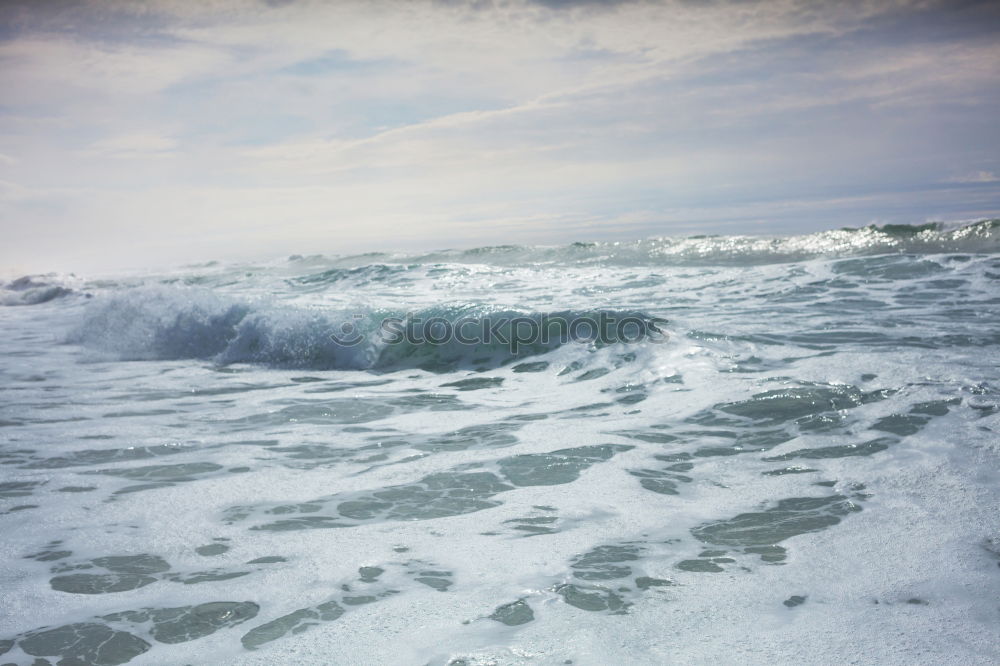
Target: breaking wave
{"points": [[160, 323]]}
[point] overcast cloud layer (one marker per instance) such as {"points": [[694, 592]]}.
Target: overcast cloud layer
{"points": [[168, 132]]}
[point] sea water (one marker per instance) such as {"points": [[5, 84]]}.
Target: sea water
{"points": [[791, 455]]}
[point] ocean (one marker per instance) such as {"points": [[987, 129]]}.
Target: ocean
{"points": [[676, 450]]}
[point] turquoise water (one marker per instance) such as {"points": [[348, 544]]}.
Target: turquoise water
{"points": [[792, 455]]}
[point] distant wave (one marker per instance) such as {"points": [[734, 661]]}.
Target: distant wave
{"points": [[32, 290], [933, 238], [165, 323]]}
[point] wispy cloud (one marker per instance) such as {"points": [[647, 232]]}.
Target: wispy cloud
{"points": [[975, 177], [134, 146]]}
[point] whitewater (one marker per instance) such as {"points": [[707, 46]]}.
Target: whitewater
{"points": [[791, 454]]}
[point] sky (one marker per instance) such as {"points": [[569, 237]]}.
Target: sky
{"points": [[169, 132]]}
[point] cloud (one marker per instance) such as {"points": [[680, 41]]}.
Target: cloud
{"points": [[56, 68], [134, 146], [975, 177]]}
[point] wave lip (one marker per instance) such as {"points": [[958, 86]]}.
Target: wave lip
{"points": [[160, 323]]}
